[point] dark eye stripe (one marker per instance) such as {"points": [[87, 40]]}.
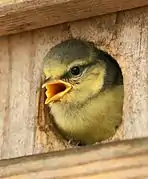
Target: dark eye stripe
{"points": [[68, 75]]}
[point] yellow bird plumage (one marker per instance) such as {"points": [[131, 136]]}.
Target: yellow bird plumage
{"points": [[84, 91]]}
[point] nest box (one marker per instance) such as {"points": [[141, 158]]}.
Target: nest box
{"points": [[29, 29]]}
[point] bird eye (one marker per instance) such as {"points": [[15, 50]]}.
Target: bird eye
{"points": [[75, 71]]}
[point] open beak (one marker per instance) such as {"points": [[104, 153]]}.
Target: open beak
{"points": [[56, 90]]}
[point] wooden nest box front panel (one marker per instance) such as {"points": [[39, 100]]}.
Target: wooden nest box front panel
{"points": [[123, 35]]}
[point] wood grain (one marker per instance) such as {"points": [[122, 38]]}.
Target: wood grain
{"points": [[133, 43], [18, 101], [122, 34], [23, 15], [4, 90], [120, 160]]}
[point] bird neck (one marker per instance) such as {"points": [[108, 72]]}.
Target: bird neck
{"points": [[107, 102]]}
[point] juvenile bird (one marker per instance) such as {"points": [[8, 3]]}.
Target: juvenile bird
{"points": [[84, 89]]}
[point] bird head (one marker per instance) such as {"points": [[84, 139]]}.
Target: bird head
{"points": [[76, 71]]}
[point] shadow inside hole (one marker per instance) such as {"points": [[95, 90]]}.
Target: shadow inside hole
{"points": [[82, 60]]}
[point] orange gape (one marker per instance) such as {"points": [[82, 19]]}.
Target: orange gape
{"points": [[56, 90]]}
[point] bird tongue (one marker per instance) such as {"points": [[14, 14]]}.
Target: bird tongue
{"points": [[56, 90]]}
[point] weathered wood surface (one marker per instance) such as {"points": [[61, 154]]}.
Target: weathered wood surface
{"points": [[123, 35], [24, 15], [122, 160]]}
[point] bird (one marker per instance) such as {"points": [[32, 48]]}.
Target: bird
{"points": [[84, 91]]}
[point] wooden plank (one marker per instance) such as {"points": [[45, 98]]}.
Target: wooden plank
{"points": [[123, 35], [5, 66], [23, 15], [18, 123], [133, 43], [124, 160]]}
